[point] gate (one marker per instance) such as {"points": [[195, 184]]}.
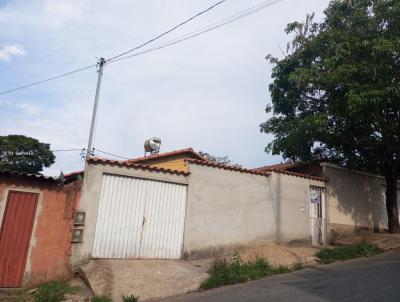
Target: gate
{"points": [[318, 216], [139, 218], [15, 236]]}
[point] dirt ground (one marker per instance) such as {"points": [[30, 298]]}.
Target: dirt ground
{"points": [[279, 255], [384, 241]]}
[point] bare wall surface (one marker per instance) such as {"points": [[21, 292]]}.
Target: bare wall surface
{"points": [[229, 208], [355, 199]]}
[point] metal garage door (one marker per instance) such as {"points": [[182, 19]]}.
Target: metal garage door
{"points": [[139, 218], [15, 236]]}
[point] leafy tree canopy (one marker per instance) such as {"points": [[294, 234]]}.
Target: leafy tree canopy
{"points": [[336, 94], [24, 154], [221, 160]]}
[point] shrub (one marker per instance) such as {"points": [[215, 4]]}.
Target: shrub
{"points": [[329, 255], [130, 298], [54, 291], [100, 299], [225, 272]]}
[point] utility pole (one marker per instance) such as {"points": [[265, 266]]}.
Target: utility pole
{"points": [[100, 66]]}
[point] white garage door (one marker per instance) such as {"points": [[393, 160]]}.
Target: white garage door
{"points": [[139, 218]]}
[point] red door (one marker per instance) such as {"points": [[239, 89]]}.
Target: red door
{"points": [[15, 236]]}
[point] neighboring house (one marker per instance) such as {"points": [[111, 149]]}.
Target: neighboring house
{"points": [[355, 200], [36, 218], [175, 160], [142, 208]]}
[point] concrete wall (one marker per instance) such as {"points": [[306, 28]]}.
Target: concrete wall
{"points": [[226, 209], [50, 246], [81, 252], [355, 201]]}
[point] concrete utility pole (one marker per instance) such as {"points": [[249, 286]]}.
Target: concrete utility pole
{"points": [[100, 66]]}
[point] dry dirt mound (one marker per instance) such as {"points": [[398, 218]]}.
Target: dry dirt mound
{"points": [[278, 255]]}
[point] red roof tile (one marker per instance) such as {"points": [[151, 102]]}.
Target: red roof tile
{"points": [[281, 166], [296, 174], [284, 168], [134, 165], [166, 154], [225, 167]]}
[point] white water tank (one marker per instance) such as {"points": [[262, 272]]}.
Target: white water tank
{"points": [[152, 145]]}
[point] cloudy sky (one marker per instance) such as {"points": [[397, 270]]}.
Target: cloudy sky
{"points": [[208, 93]]}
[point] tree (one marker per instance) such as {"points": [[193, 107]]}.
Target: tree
{"points": [[221, 160], [24, 154], [336, 93]]}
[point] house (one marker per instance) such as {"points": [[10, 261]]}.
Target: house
{"points": [[174, 205], [178, 205], [36, 218], [354, 202]]}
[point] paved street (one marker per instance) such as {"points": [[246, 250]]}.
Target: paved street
{"points": [[372, 279]]}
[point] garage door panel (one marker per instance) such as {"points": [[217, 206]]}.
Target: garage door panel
{"points": [[163, 230], [139, 218], [118, 226]]}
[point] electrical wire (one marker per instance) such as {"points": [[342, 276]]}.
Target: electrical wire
{"points": [[47, 80], [206, 29], [104, 152], [167, 32], [67, 150], [191, 35]]}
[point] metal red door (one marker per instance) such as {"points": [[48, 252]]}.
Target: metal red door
{"points": [[15, 236]]}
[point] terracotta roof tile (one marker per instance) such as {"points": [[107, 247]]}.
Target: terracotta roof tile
{"points": [[38, 177], [166, 154], [284, 168], [281, 166], [225, 167], [297, 174], [134, 165]]}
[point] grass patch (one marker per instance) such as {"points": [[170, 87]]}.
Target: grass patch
{"points": [[224, 272], [130, 298], [329, 255], [100, 299], [54, 291]]}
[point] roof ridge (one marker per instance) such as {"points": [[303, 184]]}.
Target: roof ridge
{"points": [[296, 174], [227, 167], [136, 165], [170, 153]]}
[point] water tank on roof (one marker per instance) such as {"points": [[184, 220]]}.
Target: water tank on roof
{"points": [[152, 146]]}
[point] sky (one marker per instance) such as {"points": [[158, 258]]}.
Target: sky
{"points": [[208, 93]]}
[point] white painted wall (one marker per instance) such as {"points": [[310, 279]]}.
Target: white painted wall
{"points": [[227, 209]]}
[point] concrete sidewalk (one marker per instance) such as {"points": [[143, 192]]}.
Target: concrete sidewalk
{"points": [[148, 279], [156, 279]]}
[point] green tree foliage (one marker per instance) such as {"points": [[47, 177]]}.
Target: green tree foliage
{"points": [[24, 154], [336, 93]]}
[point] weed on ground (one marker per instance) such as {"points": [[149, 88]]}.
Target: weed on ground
{"points": [[224, 272], [130, 298], [329, 255], [100, 299], [54, 291]]}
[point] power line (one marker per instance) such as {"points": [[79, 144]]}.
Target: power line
{"points": [[194, 34], [67, 150], [104, 152], [206, 29], [117, 56], [167, 32], [49, 79]]}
